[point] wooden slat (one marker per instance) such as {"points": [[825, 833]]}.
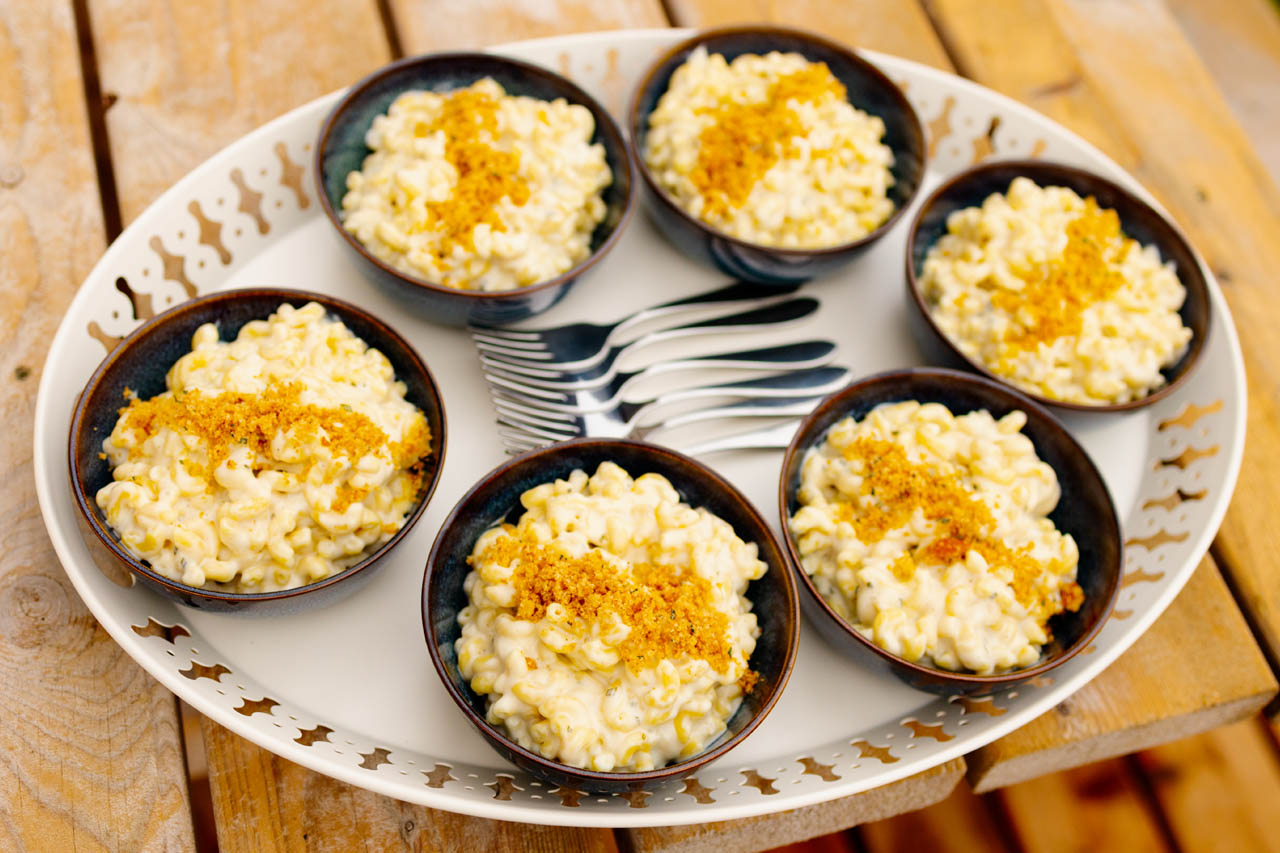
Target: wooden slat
{"points": [[92, 755], [1141, 93], [1218, 791], [1098, 807], [1239, 43], [892, 26], [427, 25], [214, 71], [1196, 668], [762, 833], [1013, 46], [269, 804], [186, 79], [959, 824]]}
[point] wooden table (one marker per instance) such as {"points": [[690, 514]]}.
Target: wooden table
{"points": [[105, 103]]}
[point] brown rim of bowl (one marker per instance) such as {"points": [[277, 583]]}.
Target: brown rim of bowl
{"points": [[579, 96], [634, 118], [931, 672], [136, 565], [1196, 280], [670, 770]]}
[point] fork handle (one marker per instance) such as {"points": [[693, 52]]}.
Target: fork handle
{"points": [[768, 407], [739, 291], [814, 380], [792, 356], [776, 437], [777, 314]]}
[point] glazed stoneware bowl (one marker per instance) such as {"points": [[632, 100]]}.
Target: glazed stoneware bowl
{"points": [[341, 150], [496, 498], [869, 90], [1085, 510], [1138, 219], [140, 363]]}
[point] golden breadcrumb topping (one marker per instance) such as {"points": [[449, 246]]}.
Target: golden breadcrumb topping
{"points": [[1052, 304], [234, 418], [746, 140], [669, 611], [485, 174], [893, 488]]}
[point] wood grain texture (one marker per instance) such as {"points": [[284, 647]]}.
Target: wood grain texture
{"points": [[1195, 669], [1218, 791], [268, 804], [899, 27], [185, 79], [92, 759], [426, 25], [762, 833], [1239, 43], [961, 823], [1099, 807], [1137, 89]]}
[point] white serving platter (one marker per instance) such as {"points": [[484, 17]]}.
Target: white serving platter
{"points": [[349, 690]]}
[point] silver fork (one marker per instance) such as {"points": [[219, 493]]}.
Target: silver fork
{"points": [[603, 370], [550, 421], [613, 386], [519, 436], [774, 437], [579, 345]]}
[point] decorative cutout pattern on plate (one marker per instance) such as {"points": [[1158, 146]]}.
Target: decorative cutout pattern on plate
{"points": [[159, 629], [257, 706], [256, 193]]}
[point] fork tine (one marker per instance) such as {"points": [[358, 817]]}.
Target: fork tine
{"points": [[508, 334], [535, 371], [515, 354], [514, 431], [534, 406], [515, 448], [510, 343], [528, 393], [546, 420]]}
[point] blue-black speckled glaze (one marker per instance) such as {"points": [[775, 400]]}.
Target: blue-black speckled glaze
{"points": [[140, 363], [869, 90], [1085, 510], [1137, 218], [496, 498], [341, 150]]}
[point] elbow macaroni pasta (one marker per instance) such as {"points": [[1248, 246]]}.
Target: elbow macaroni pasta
{"points": [[913, 584], [260, 495], [510, 200], [824, 178], [556, 680], [1109, 349]]}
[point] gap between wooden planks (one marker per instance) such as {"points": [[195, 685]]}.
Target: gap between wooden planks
{"points": [[92, 756], [260, 47], [1123, 73], [1148, 695]]}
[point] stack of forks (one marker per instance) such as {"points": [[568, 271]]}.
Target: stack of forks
{"points": [[549, 385]]}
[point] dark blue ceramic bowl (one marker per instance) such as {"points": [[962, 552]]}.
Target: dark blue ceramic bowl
{"points": [[140, 363], [1139, 220], [1085, 510], [341, 150], [869, 90], [496, 498]]}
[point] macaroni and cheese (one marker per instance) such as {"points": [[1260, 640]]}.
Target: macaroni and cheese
{"points": [[609, 627], [271, 461], [928, 533], [477, 189], [768, 149], [1043, 288]]}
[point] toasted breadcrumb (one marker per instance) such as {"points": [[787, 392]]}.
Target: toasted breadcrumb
{"points": [[670, 613]]}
